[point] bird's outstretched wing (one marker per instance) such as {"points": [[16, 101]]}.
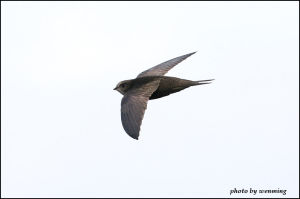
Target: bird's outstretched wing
{"points": [[163, 68], [133, 106]]}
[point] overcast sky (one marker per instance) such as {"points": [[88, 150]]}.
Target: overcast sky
{"points": [[61, 127]]}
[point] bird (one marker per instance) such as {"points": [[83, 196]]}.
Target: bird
{"points": [[148, 85]]}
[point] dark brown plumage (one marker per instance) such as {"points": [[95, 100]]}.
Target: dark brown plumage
{"points": [[150, 84]]}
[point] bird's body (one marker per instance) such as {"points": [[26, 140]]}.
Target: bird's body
{"points": [[167, 85], [150, 84], [170, 85]]}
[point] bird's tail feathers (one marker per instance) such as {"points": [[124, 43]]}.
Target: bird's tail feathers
{"points": [[207, 81]]}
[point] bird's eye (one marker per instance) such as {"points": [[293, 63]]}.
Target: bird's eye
{"points": [[122, 85]]}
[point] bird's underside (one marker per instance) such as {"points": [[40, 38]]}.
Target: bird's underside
{"points": [[170, 85], [167, 85], [150, 84]]}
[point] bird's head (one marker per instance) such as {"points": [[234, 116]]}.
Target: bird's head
{"points": [[123, 86]]}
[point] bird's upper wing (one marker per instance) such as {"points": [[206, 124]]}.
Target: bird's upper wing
{"points": [[164, 67], [133, 106]]}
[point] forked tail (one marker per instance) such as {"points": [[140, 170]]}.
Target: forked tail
{"points": [[207, 81]]}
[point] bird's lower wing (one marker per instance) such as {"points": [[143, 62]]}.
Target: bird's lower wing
{"points": [[133, 106], [132, 113]]}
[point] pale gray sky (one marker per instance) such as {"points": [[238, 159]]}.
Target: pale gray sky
{"points": [[61, 128]]}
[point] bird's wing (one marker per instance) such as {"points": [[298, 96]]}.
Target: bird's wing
{"points": [[133, 106], [163, 68]]}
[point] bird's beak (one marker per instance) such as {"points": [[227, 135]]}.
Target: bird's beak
{"points": [[115, 88]]}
